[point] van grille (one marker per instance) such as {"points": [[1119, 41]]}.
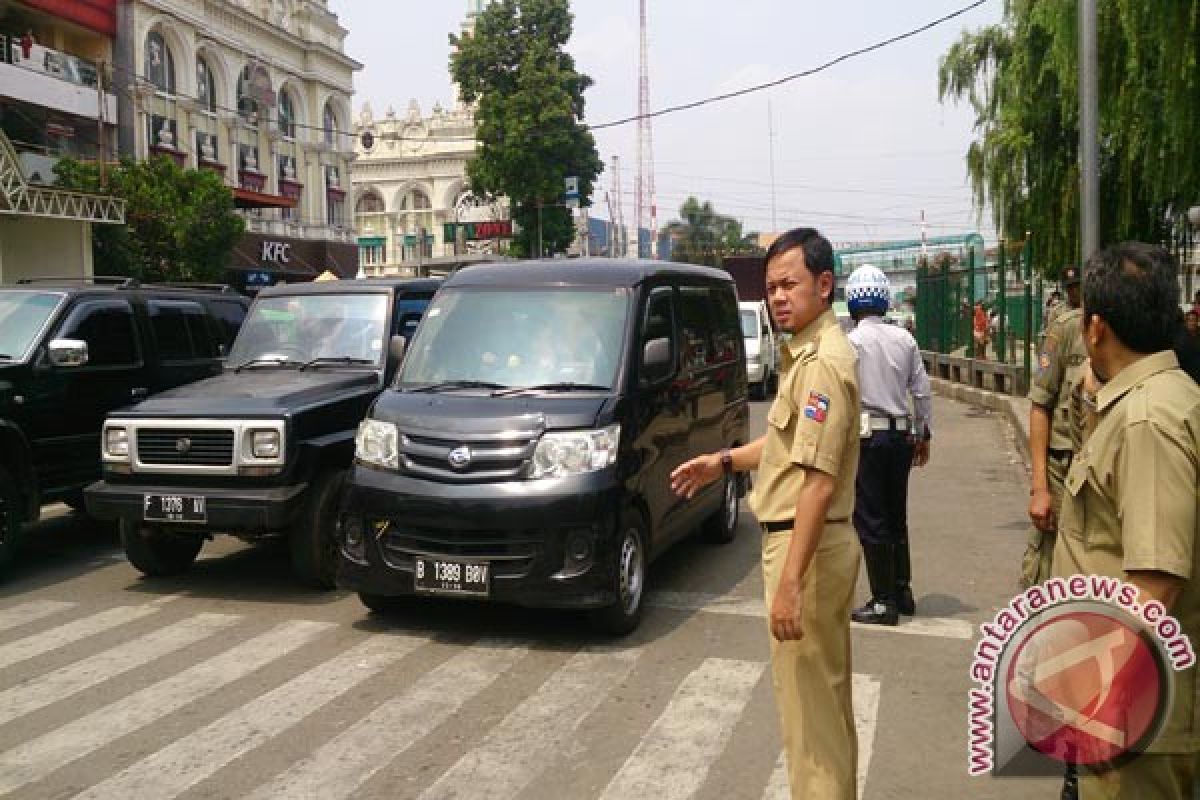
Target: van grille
{"points": [[511, 553], [187, 447], [467, 459]]}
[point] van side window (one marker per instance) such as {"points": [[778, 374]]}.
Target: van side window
{"points": [[725, 334], [107, 327], [709, 326], [229, 317], [659, 320]]}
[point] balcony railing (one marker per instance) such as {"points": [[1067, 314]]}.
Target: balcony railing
{"points": [[38, 58]]}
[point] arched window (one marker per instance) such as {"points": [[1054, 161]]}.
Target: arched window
{"points": [[329, 124], [415, 200], [253, 85], [159, 68], [370, 203], [206, 86], [287, 114]]}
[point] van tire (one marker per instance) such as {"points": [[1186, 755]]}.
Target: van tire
{"points": [[721, 527], [629, 562], [11, 516], [313, 539], [156, 552]]}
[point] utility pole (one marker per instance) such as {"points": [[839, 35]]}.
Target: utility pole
{"points": [[540, 252], [771, 154], [101, 116], [620, 221], [1089, 177]]}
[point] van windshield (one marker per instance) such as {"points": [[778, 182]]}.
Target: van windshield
{"points": [[749, 325], [519, 337], [304, 327], [22, 316]]}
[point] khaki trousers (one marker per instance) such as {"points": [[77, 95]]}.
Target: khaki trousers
{"points": [[1150, 776], [812, 676], [1039, 552]]}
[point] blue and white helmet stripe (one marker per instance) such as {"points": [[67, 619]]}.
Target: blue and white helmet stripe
{"points": [[868, 289]]}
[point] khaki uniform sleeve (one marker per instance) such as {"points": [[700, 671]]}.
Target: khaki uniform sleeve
{"points": [[1157, 474], [1050, 367], [827, 406]]}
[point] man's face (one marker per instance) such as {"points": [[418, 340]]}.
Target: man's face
{"points": [[795, 296]]}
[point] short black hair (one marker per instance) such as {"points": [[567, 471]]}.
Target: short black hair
{"points": [[1134, 288], [818, 252]]}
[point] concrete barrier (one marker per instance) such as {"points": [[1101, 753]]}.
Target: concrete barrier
{"points": [[978, 373], [1015, 409]]}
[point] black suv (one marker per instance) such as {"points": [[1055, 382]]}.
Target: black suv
{"points": [[262, 448], [72, 351]]}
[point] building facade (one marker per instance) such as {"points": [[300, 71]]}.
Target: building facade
{"points": [[257, 91], [51, 54]]}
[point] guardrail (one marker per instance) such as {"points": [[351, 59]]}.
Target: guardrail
{"points": [[980, 373]]}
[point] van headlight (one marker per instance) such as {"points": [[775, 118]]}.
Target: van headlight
{"points": [[575, 452], [375, 444], [116, 443]]}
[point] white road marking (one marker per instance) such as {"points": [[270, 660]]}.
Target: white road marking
{"points": [[43, 690], [866, 711], [673, 758], [38, 757], [185, 762], [71, 632], [31, 612], [524, 743], [943, 627], [348, 761]]}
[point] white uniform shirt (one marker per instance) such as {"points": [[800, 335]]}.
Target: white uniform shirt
{"points": [[889, 370]]}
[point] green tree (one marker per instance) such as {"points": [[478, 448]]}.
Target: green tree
{"points": [[1021, 80], [180, 225], [702, 236], [529, 116]]}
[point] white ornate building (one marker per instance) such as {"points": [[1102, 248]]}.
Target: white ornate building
{"points": [[412, 208], [259, 92]]}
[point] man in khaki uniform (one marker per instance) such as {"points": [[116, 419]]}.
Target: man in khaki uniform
{"points": [[1131, 504], [1052, 442], [803, 499]]}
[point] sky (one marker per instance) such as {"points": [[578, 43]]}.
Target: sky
{"points": [[859, 149]]}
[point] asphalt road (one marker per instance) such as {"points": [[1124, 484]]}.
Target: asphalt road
{"points": [[232, 681]]}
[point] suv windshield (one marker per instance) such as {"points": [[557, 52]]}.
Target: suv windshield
{"points": [[519, 337], [749, 325], [345, 328], [22, 315]]}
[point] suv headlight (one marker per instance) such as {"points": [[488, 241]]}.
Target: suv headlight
{"points": [[116, 443], [575, 452], [375, 444], [266, 444]]}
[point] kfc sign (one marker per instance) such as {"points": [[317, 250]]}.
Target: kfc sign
{"points": [[275, 252]]}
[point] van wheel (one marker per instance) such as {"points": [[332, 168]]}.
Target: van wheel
{"points": [[629, 581], [157, 552], [313, 539], [11, 517], [721, 527]]}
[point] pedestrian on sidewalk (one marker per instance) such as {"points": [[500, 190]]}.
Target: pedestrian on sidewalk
{"points": [[803, 499], [980, 331], [892, 441], [1139, 521]]}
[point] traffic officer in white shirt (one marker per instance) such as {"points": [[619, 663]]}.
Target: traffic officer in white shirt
{"points": [[892, 442]]}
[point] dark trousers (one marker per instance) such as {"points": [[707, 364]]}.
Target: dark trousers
{"points": [[881, 511]]}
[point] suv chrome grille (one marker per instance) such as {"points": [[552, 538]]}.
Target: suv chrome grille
{"points": [[185, 447], [470, 458]]}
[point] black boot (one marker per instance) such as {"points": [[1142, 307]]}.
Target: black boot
{"points": [[905, 603], [881, 610]]}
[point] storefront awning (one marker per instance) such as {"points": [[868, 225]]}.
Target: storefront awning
{"points": [[248, 198]]}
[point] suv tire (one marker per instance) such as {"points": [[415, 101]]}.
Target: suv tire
{"points": [[313, 539], [157, 552], [11, 517], [629, 560], [721, 527]]}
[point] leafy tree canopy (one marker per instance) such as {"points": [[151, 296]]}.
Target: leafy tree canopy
{"points": [[180, 224], [1021, 80], [530, 107], [702, 236]]}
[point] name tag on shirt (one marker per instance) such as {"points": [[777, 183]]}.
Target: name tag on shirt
{"points": [[864, 425]]}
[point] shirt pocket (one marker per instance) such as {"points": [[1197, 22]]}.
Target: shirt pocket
{"points": [[780, 420], [1084, 486]]}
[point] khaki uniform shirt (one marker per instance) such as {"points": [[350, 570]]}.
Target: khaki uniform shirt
{"points": [[813, 423], [1132, 503], [1059, 371]]}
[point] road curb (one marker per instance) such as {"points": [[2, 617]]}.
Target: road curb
{"points": [[1014, 409]]}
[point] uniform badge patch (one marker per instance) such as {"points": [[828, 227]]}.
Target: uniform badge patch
{"points": [[1044, 362], [817, 407]]}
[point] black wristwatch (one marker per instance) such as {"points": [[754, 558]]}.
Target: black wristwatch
{"points": [[726, 461]]}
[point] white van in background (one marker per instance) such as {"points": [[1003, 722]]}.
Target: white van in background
{"points": [[762, 369]]}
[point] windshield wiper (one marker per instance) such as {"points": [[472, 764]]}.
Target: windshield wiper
{"points": [[335, 360], [562, 386], [282, 362], [461, 384]]}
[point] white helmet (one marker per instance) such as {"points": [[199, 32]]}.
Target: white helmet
{"points": [[868, 289]]}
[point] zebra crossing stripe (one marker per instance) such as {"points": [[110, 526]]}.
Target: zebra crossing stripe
{"points": [[866, 711], [524, 743], [45, 689], [185, 762], [31, 612], [344, 764], [51, 640], [674, 756], [37, 758]]}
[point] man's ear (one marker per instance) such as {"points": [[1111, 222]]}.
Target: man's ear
{"points": [[825, 286]]}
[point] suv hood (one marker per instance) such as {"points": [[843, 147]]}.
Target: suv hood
{"points": [[473, 413], [256, 391]]}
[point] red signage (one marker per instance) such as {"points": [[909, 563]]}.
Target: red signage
{"points": [[97, 15]]}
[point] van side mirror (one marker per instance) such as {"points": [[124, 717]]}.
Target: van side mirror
{"points": [[67, 352], [656, 360], [396, 347]]}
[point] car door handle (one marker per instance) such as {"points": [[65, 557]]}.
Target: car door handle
{"points": [[139, 393]]}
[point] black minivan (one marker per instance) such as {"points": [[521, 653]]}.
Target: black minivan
{"points": [[523, 453]]}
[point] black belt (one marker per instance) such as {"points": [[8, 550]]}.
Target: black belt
{"points": [[787, 524], [1061, 455]]}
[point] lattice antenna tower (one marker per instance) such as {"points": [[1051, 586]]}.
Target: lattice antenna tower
{"points": [[646, 210], [619, 217]]}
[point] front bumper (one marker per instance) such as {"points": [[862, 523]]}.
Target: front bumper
{"points": [[233, 510], [522, 529]]}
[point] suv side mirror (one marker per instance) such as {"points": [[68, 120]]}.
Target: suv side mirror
{"points": [[396, 347], [656, 360], [67, 352]]}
